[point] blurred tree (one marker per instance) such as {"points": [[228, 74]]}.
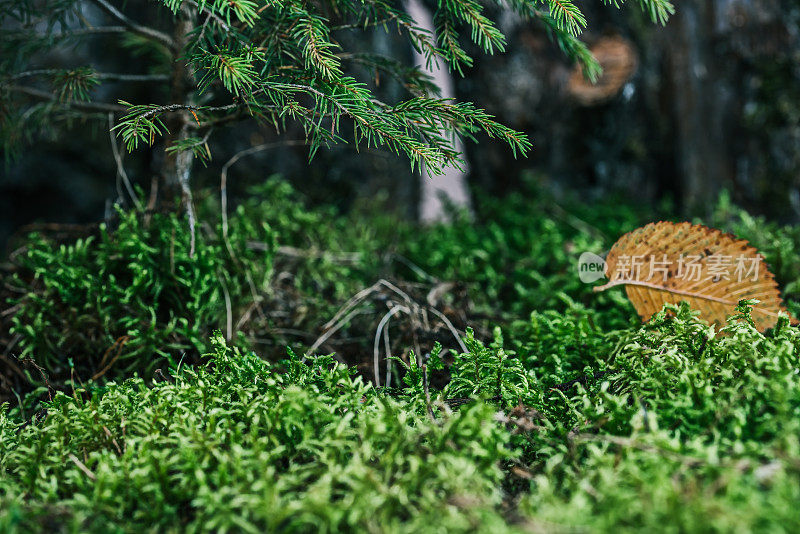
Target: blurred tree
{"points": [[218, 62]]}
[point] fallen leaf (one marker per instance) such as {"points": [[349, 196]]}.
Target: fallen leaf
{"points": [[666, 262]]}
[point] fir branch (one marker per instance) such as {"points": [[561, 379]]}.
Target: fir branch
{"points": [[659, 10], [349, 98], [131, 78], [313, 33], [455, 56], [244, 10], [74, 84], [567, 15], [420, 38], [280, 62], [198, 146], [234, 69], [143, 122], [211, 13], [412, 78], [571, 45], [483, 31]]}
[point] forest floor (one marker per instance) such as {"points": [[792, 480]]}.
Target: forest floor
{"points": [[302, 370]]}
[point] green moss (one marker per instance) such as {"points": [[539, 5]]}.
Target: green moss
{"points": [[132, 299], [242, 445], [564, 412]]}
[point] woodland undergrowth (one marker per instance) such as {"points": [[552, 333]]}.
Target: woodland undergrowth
{"points": [[310, 370]]}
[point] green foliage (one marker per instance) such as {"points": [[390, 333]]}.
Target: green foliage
{"points": [[489, 372], [520, 254], [279, 61], [516, 260], [416, 374], [557, 347], [242, 445], [685, 431], [131, 299], [140, 124], [573, 416]]}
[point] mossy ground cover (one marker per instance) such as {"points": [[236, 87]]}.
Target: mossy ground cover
{"points": [[129, 410]]}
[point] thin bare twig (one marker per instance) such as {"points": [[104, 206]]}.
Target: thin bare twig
{"points": [[134, 26], [113, 441], [90, 31], [74, 104], [11, 365], [353, 301], [414, 267], [121, 174], [211, 14], [228, 311], [223, 179], [107, 76], [450, 326], [324, 337], [294, 252], [118, 344], [82, 466], [378, 332], [387, 349]]}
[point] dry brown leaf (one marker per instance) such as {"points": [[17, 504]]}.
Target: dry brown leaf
{"points": [[709, 269]]}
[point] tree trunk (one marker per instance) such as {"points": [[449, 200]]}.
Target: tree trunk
{"points": [[176, 167], [451, 187]]}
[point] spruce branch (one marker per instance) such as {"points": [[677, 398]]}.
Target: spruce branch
{"points": [[144, 123], [196, 145], [203, 8], [483, 31], [567, 15], [276, 62], [570, 45], [659, 10], [413, 79], [312, 31]]}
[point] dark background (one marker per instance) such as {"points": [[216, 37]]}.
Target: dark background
{"points": [[714, 104]]}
